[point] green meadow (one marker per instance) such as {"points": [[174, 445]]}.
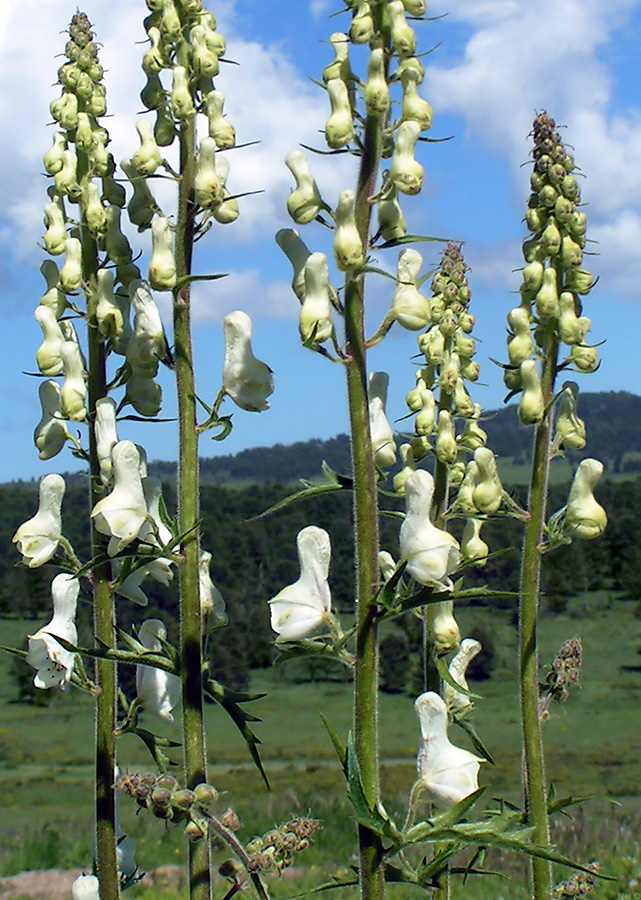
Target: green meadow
{"points": [[593, 745]]}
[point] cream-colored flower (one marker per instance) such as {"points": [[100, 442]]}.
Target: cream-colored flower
{"points": [[247, 380], [85, 887], [456, 701], [38, 538], [447, 773], [212, 605], [122, 513], [584, 517], [53, 663], [382, 435], [301, 608], [51, 432], [431, 553], [158, 691]]}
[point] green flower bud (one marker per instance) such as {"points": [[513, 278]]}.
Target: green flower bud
{"points": [[405, 172], [563, 210], [425, 422], [382, 435], [144, 395], [339, 128], [547, 298], [571, 254], [414, 7], [412, 106], [214, 40], [220, 129], [65, 110], [584, 517], [304, 203], [531, 404], [376, 93], [362, 27], [95, 214], [347, 244], [488, 491], [164, 127], [465, 496], [432, 344], [102, 162], [71, 271], [520, 345], [113, 193], [470, 369], [533, 275], [466, 322], [51, 433], [569, 428], [48, 358], [208, 187], [182, 799], [53, 297], [153, 94], [116, 244], [403, 37], [196, 829], [228, 210], [570, 188], [578, 280], [141, 206], [551, 238], [443, 628], [410, 308], [584, 358], [182, 105], [108, 313], [473, 435], [315, 321], [463, 403], [205, 795], [409, 466], [170, 27], [162, 265], [536, 219], [410, 62], [204, 60], [56, 231], [54, 157], [474, 550], [572, 329], [339, 67], [391, 224], [153, 60], [65, 180], [147, 157], [413, 397], [450, 372], [446, 447]]}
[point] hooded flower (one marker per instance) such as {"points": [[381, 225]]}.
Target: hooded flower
{"points": [[447, 773], [51, 432], [85, 887], [212, 605], [382, 435], [584, 517], [301, 608], [54, 664], [38, 538], [456, 701], [122, 513], [158, 691], [431, 553], [247, 380]]}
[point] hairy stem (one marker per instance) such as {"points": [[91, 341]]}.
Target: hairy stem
{"points": [[535, 788]]}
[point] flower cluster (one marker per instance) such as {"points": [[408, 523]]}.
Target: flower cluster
{"points": [[276, 849]]}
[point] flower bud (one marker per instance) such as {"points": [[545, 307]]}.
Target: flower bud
{"points": [[204, 60], [108, 313], [569, 428], [65, 110], [391, 224], [339, 67], [403, 37], [164, 127], [106, 435], [73, 391], [247, 380], [547, 298], [409, 62], [376, 92], [53, 158], [584, 357], [339, 128], [53, 297], [409, 466], [71, 271], [162, 265], [405, 172], [424, 423], [571, 327], [410, 308], [95, 214], [56, 232], [315, 321], [412, 106], [488, 490], [212, 604], [382, 436], [207, 184], [446, 446], [304, 203], [362, 27], [463, 403], [414, 7], [520, 345], [141, 206], [147, 157], [227, 211], [48, 358], [181, 102], [443, 628], [66, 180], [220, 129], [473, 435], [347, 244], [51, 432], [474, 550], [531, 404], [457, 702], [584, 517]]}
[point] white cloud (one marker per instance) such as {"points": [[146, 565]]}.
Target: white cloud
{"points": [[247, 290], [319, 7]]}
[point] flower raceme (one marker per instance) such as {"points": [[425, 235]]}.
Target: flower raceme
{"points": [[446, 772], [302, 608], [38, 538], [158, 691], [52, 662]]}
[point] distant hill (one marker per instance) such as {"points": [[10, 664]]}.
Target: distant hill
{"points": [[613, 422]]}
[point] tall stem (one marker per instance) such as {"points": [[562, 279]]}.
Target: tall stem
{"points": [[365, 529], [535, 781], [104, 611], [195, 754]]}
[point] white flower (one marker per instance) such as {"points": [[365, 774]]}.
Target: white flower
{"points": [[447, 773], [123, 512], [106, 435], [431, 553], [382, 435], [301, 608], [85, 887], [51, 432], [584, 517], [247, 380], [456, 701], [38, 538], [158, 691], [148, 343], [54, 664], [443, 627], [212, 605]]}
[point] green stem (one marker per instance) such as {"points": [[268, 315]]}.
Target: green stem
{"points": [[371, 872], [103, 603], [195, 755], [535, 788]]}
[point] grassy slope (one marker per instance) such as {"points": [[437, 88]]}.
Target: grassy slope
{"points": [[593, 748]]}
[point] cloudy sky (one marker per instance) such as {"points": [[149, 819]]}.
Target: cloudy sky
{"points": [[494, 64]]}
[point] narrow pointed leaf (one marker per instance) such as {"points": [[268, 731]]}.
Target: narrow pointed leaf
{"points": [[240, 718]]}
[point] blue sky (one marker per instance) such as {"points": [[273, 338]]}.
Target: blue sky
{"points": [[496, 64]]}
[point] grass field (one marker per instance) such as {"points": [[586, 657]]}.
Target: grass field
{"points": [[593, 743]]}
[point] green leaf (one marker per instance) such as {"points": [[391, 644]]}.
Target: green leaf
{"points": [[411, 239], [428, 870], [473, 735], [564, 802], [326, 886], [386, 595], [303, 648], [226, 423], [375, 818], [14, 651], [444, 672], [337, 742], [333, 482], [229, 700]]}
